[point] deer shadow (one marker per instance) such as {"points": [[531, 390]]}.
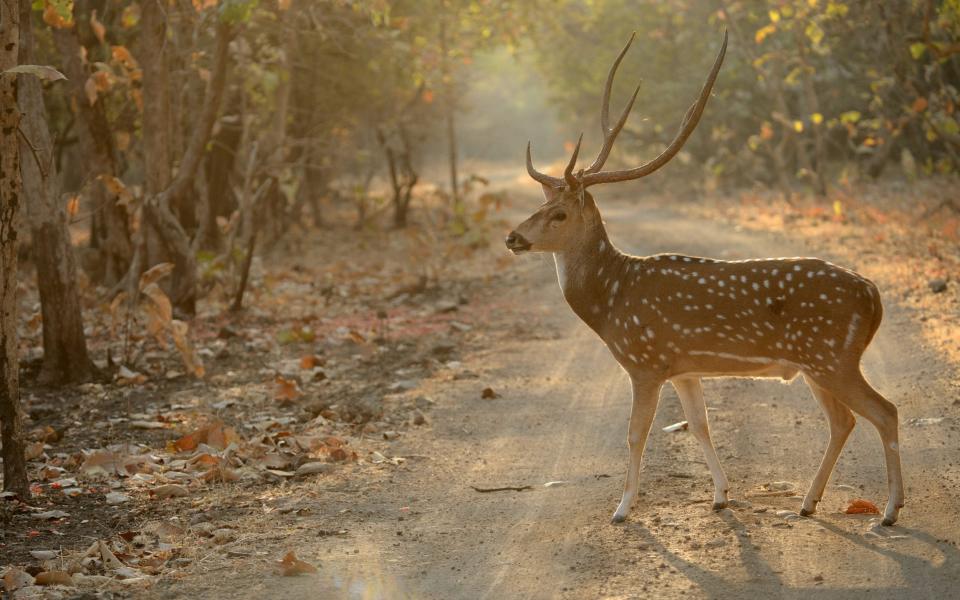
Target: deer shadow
{"points": [[922, 578]]}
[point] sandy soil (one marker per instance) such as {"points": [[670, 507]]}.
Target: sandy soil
{"points": [[420, 530]]}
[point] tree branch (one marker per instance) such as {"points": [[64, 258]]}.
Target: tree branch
{"points": [[204, 127]]}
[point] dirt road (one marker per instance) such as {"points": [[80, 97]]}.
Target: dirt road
{"points": [[421, 531]]}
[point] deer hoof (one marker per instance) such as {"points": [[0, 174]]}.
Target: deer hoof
{"points": [[718, 506], [618, 518], [888, 521], [806, 513]]}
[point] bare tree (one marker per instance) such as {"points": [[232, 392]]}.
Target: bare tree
{"points": [[65, 358], [11, 431], [163, 238], [109, 230], [403, 177]]}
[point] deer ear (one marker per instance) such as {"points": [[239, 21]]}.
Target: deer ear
{"points": [[549, 192]]}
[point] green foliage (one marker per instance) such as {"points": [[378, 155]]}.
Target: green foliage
{"points": [[808, 86], [237, 12]]}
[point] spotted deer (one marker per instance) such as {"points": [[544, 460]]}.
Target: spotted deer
{"points": [[677, 318]]}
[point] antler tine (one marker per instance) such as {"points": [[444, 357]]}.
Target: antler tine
{"points": [[609, 135], [608, 87], [568, 172], [555, 182], [689, 123]]}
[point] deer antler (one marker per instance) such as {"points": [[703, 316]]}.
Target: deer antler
{"points": [[556, 182], [593, 175], [609, 135], [689, 123]]}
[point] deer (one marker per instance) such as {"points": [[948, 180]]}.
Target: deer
{"points": [[678, 319]]}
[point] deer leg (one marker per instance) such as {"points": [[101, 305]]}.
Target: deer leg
{"points": [[691, 399], [867, 402], [841, 424], [646, 395]]}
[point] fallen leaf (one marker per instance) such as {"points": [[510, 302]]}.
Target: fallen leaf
{"points": [[33, 451], [16, 579], [291, 566], [109, 559], [171, 490], [286, 390], [44, 554], [220, 473], [311, 361], [860, 506], [115, 498], [54, 578], [100, 463], [50, 514], [312, 468], [215, 435], [489, 394]]}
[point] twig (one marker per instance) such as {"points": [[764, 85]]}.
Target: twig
{"points": [[508, 488]]}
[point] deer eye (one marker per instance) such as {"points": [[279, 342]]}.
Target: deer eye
{"points": [[558, 216]]}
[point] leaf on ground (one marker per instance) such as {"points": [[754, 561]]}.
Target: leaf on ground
{"points": [[33, 451], [291, 566], [100, 463], [220, 473], [54, 578], [109, 559], [286, 390], [860, 506], [313, 468], [340, 455], [127, 376], [215, 435], [489, 394], [170, 490], [16, 579], [311, 361], [50, 514]]}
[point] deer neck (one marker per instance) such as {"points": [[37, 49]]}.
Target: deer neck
{"points": [[587, 272]]}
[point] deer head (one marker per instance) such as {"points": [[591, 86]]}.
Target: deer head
{"points": [[569, 215]]}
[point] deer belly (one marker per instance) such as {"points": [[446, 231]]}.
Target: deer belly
{"points": [[717, 364]]}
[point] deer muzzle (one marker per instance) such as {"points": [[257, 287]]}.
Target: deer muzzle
{"points": [[516, 243]]}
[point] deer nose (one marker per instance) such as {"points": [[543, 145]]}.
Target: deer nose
{"points": [[517, 242]]}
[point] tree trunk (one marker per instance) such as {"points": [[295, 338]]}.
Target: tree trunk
{"points": [[110, 232], [450, 117], [164, 238], [11, 429], [65, 358], [221, 200]]}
